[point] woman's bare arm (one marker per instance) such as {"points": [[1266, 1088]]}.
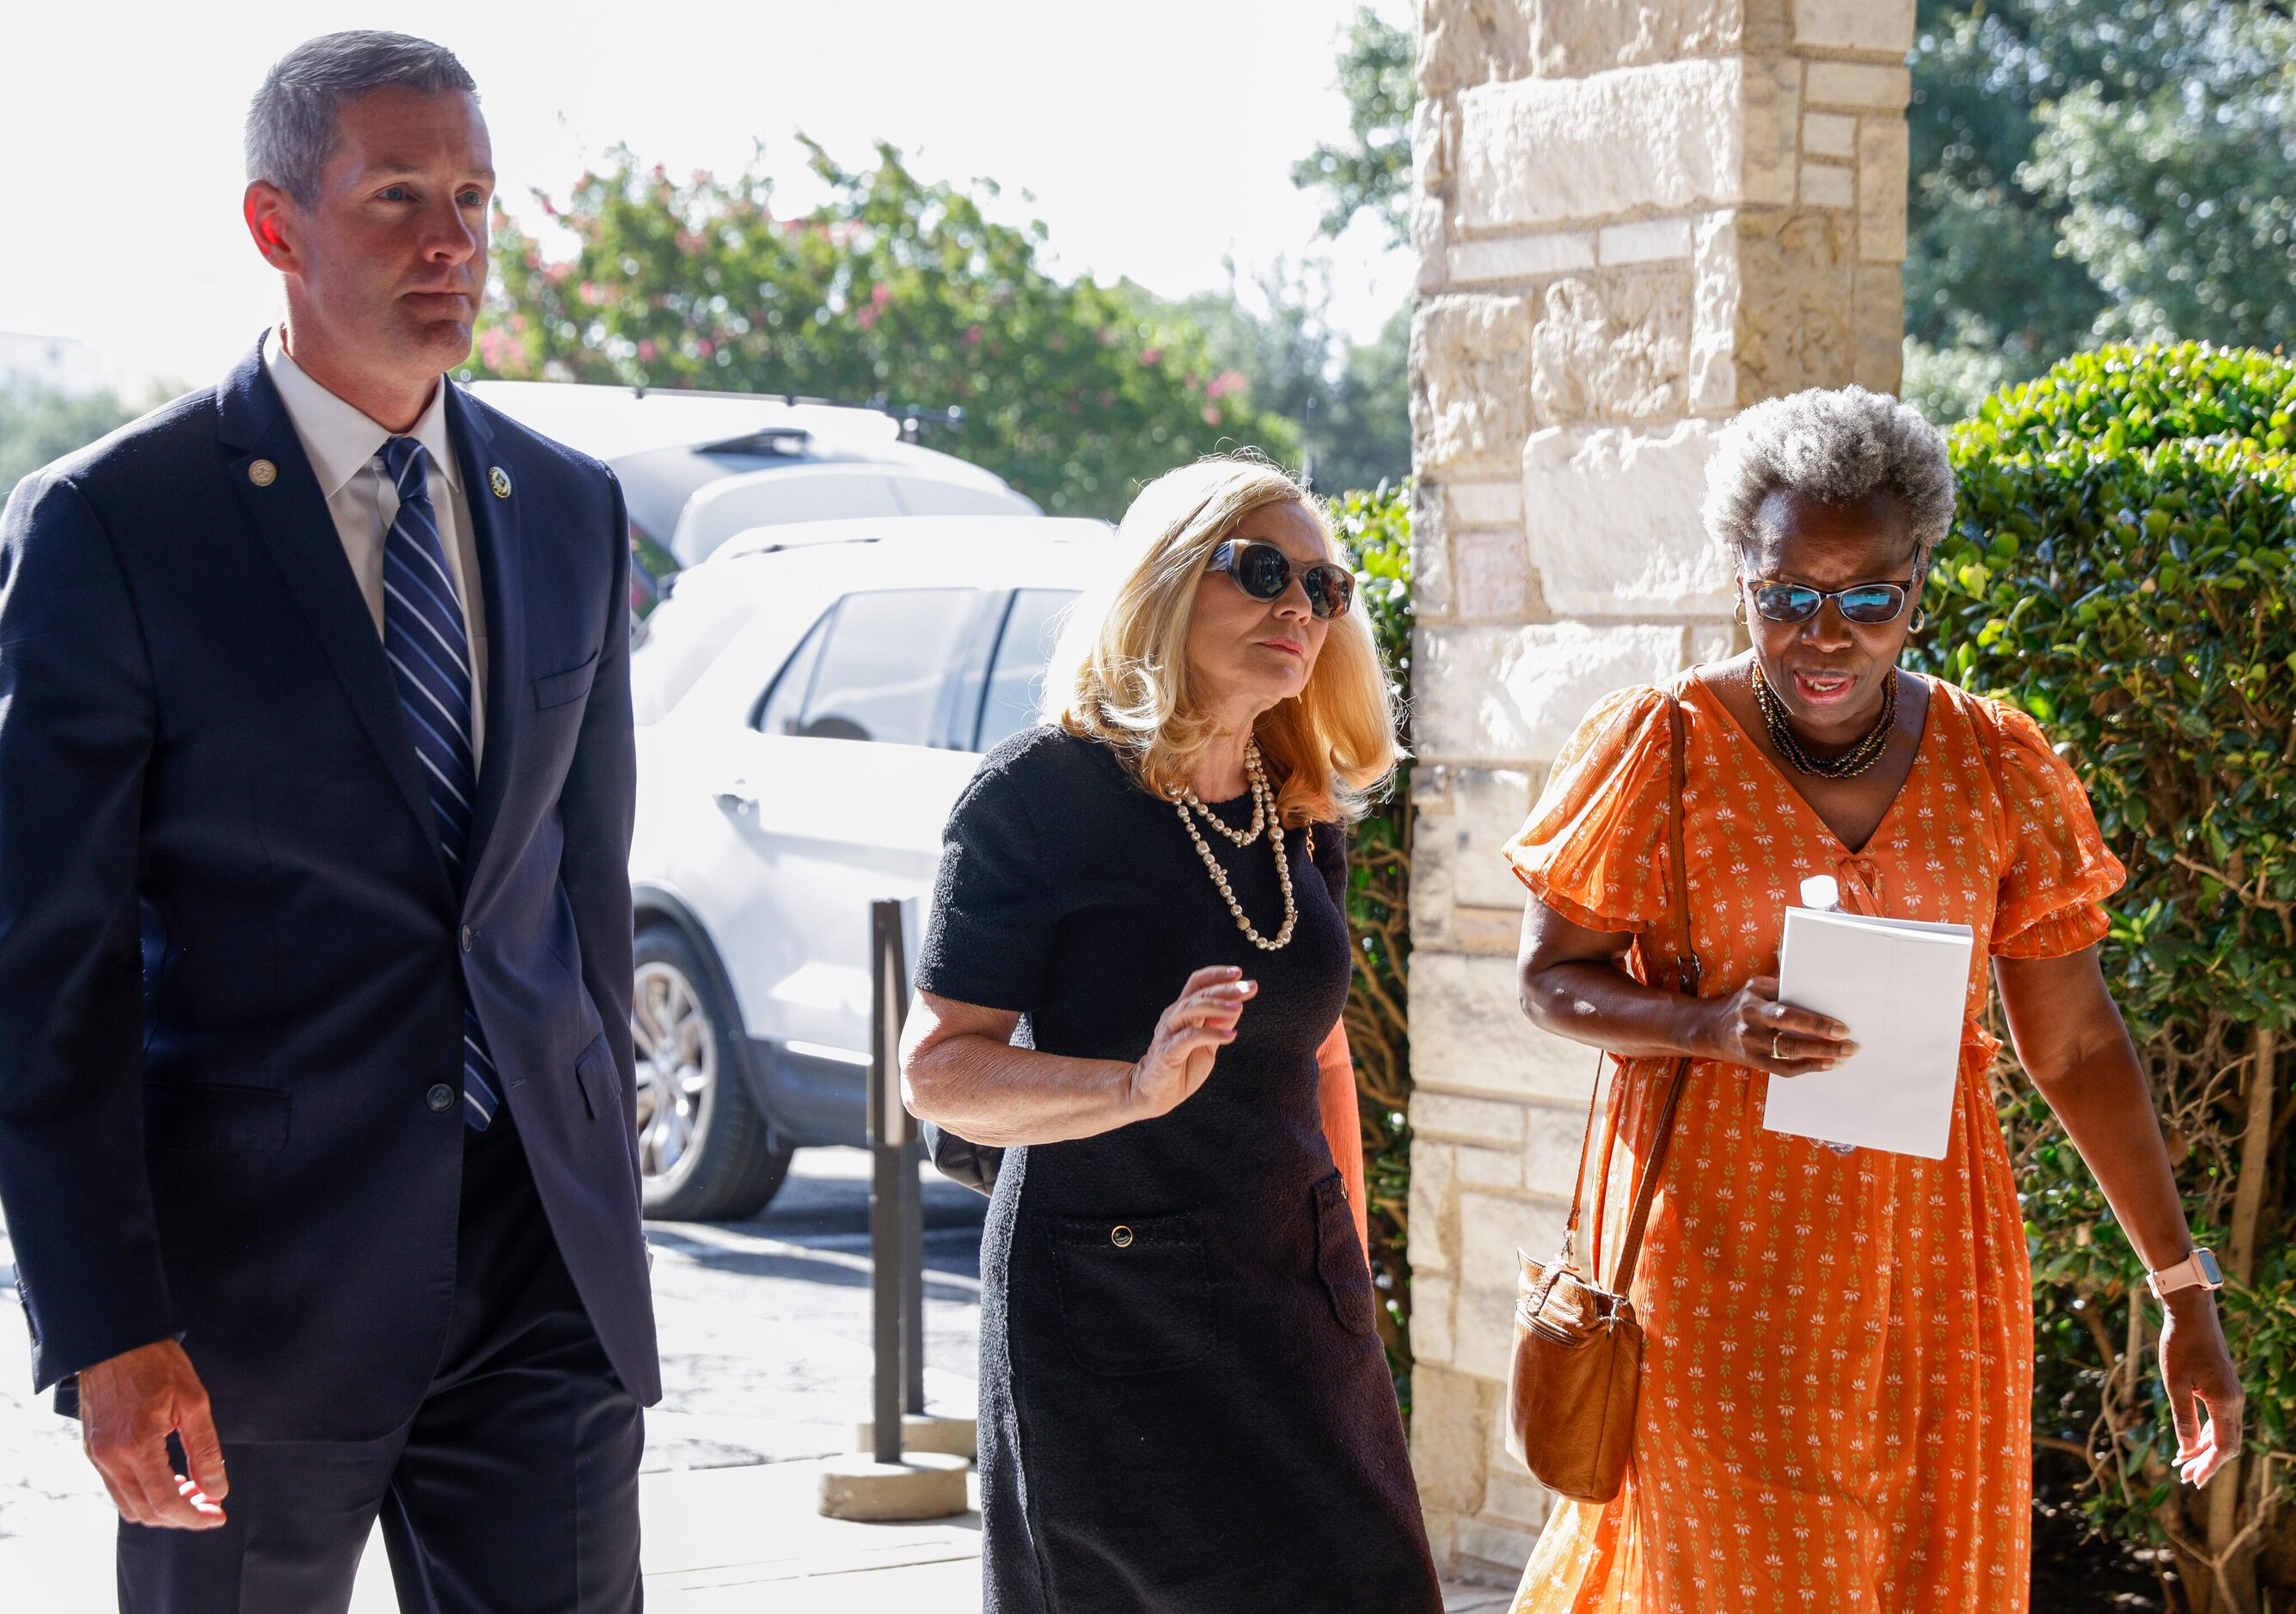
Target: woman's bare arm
{"points": [[1575, 984], [960, 1070], [2070, 1039]]}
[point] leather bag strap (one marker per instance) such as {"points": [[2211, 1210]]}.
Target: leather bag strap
{"points": [[1687, 977]]}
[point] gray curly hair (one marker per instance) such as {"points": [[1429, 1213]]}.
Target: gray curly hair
{"points": [[1833, 445]]}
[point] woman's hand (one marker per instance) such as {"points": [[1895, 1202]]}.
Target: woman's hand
{"points": [[1751, 1027], [1189, 1037], [2196, 1371]]}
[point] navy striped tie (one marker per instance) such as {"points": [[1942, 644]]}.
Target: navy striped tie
{"points": [[430, 653]]}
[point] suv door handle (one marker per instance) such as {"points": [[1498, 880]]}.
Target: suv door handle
{"points": [[738, 796]]}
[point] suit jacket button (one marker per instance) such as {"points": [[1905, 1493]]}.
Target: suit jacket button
{"points": [[469, 936], [440, 1097]]}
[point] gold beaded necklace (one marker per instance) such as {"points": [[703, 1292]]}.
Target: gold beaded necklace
{"points": [[1852, 762], [1263, 817]]}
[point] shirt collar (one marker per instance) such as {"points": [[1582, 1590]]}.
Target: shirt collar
{"points": [[338, 436]]}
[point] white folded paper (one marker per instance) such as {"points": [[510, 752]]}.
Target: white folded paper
{"points": [[1899, 985]]}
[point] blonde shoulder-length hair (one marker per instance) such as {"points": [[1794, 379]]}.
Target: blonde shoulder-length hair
{"points": [[1120, 675]]}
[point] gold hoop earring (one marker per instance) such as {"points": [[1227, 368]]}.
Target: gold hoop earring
{"points": [[1739, 612], [1921, 619]]}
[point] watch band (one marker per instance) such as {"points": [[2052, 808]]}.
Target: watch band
{"points": [[2198, 1269]]}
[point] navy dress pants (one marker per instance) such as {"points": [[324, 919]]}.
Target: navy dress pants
{"points": [[514, 1487]]}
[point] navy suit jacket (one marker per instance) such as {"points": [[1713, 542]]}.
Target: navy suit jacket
{"points": [[232, 963]]}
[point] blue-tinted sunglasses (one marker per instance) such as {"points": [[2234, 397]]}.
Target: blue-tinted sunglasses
{"points": [[1869, 604]]}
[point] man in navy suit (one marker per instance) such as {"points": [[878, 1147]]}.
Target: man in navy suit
{"points": [[317, 774]]}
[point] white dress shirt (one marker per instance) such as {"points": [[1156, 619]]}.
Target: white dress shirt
{"points": [[345, 448]]}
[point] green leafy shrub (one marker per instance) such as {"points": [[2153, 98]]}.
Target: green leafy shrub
{"points": [[1376, 527], [2124, 569]]}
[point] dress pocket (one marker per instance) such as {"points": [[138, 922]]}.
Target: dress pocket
{"points": [[1134, 1296], [1340, 1257]]}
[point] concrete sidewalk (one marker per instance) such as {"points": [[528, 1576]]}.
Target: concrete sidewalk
{"points": [[717, 1541]]}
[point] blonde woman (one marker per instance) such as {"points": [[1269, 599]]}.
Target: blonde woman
{"points": [[1133, 981]]}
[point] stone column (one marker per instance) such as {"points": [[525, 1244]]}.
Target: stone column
{"points": [[1633, 218]]}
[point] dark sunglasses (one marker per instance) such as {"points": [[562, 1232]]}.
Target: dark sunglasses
{"points": [[1263, 573], [1869, 604]]}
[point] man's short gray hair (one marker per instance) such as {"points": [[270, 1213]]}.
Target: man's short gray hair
{"points": [[290, 125], [1834, 446]]}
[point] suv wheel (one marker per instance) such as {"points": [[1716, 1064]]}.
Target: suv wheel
{"points": [[703, 1151]]}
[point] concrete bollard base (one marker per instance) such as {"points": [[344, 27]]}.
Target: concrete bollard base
{"points": [[923, 1485], [926, 1432]]}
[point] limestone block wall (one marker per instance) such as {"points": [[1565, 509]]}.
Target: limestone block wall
{"points": [[1632, 218]]}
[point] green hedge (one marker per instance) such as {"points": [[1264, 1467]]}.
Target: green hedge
{"points": [[2124, 569]]}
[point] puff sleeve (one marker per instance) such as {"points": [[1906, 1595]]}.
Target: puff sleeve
{"points": [[1594, 847], [2056, 871]]}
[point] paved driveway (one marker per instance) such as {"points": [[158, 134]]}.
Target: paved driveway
{"points": [[766, 1360]]}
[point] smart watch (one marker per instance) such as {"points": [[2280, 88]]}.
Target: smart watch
{"points": [[2200, 1268]]}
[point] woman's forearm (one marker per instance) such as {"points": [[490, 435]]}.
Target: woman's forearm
{"points": [[995, 1094], [2070, 1038], [2107, 1110], [1599, 1003]]}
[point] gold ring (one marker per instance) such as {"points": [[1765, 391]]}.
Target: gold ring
{"points": [[1776, 1051]]}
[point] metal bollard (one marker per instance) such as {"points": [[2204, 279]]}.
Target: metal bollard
{"points": [[890, 1482], [895, 1202]]}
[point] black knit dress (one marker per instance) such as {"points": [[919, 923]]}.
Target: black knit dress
{"points": [[1183, 1405]]}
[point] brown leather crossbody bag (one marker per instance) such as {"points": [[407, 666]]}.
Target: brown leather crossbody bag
{"points": [[1578, 1345]]}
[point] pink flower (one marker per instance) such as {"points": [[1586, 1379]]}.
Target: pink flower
{"points": [[588, 293], [496, 350], [1224, 383], [881, 294], [556, 274], [646, 351], [973, 336], [704, 347], [1152, 356], [1211, 417]]}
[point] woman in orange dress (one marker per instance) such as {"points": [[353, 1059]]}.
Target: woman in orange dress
{"points": [[1835, 1410]]}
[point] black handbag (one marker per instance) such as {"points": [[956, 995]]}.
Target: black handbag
{"points": [[961, 1160]]}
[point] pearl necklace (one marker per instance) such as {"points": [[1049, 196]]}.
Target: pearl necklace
{"points": [[1262, 800], [1263, 815]]}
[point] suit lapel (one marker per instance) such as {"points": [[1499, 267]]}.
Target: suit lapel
{"points": [[287, 508], [499, 540]]}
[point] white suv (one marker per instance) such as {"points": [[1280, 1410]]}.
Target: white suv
{"points": [[809, 702]]}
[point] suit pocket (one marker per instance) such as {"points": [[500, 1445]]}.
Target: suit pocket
{"points": [[594, 1073], [1135, 1296], [1340, 1257], [559, 688], [215, 1118]]}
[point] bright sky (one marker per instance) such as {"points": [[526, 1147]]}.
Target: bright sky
{"points": [[1155, 138]]}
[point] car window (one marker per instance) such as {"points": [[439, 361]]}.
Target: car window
{"points": [[877, 667], [784, 702], [1016, 676]]}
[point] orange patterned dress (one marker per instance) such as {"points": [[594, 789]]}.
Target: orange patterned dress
{"points": [[1836, 1399]]}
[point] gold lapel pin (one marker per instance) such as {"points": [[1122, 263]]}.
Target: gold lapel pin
{"points": [[499, 480], [262, 473]]}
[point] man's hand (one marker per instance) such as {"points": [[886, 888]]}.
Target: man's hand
{"points": [[129, 1406]]}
